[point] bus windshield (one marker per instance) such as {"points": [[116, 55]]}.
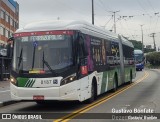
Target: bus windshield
{"points": [[139, 57], [42, 52]]}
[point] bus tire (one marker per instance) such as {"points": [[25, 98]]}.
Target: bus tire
{"points": [[93, 93], [115, 84]]}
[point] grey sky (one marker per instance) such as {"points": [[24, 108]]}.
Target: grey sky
{"points": [[143, 12]]}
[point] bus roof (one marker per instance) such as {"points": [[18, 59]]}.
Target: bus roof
{"points": [[82, 26], [138, 52]]}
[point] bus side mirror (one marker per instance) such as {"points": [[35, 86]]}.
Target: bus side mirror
{"points": [[11, 39], [82, 53], [83, 66], [10, 43]]}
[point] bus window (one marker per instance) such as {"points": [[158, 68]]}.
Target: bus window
{"points": [[82, 55], [110, 60], [82, 47]]}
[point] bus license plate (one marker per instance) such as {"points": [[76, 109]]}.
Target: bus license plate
{"points": [[38, 97]]}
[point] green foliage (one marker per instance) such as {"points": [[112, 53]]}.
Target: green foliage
{"points": [[153, 58], [148, 50], [137, 44]]}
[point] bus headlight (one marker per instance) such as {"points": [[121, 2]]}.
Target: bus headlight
{"points": [[68, 80], [13, 80]]}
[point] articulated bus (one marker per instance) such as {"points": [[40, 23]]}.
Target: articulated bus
{"points": [[68, 60]]}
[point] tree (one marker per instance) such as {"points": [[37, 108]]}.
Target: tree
{"points": [[137, 44], [153, 58]]}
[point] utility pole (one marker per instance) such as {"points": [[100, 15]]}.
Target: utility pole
{"points": [[153, 35], [142, 38], [92, 12], [114, 16]]}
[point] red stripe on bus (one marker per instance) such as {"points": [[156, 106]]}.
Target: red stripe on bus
{"points": [[65, 32]]}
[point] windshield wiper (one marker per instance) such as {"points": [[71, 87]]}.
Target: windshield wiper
{"points": [[34, 50], [20, 58], [49, 67]]}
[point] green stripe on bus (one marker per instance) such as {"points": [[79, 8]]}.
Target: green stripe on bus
{"points": [[21, 81], [27, 83], [104, 82], [30, 83], [33, 81], [110, 79]]}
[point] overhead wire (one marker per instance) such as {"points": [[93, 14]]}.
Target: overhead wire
{"points": [[156, 23], [109, 17], [151, 6], [100, 6], [108, 21], [80, 13], [139, 3]]}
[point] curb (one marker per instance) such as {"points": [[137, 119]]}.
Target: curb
{"points": [[9, 102]]}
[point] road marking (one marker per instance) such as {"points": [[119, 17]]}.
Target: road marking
{"points": [[96, 103], [4, 91]]}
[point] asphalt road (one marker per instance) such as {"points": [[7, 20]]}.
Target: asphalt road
{"points": [[143, 94], [4, 91]]}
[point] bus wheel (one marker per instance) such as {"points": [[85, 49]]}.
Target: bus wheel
{"points": [[114, 84], [93, 94]]}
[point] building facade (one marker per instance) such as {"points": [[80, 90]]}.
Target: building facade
{"points": [[9, 19]]}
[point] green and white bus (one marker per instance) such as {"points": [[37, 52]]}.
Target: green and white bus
{"points": [[68, 60]]}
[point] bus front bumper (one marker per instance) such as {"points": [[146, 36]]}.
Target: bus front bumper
{"points": [[63, 93], [139, 66]]}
